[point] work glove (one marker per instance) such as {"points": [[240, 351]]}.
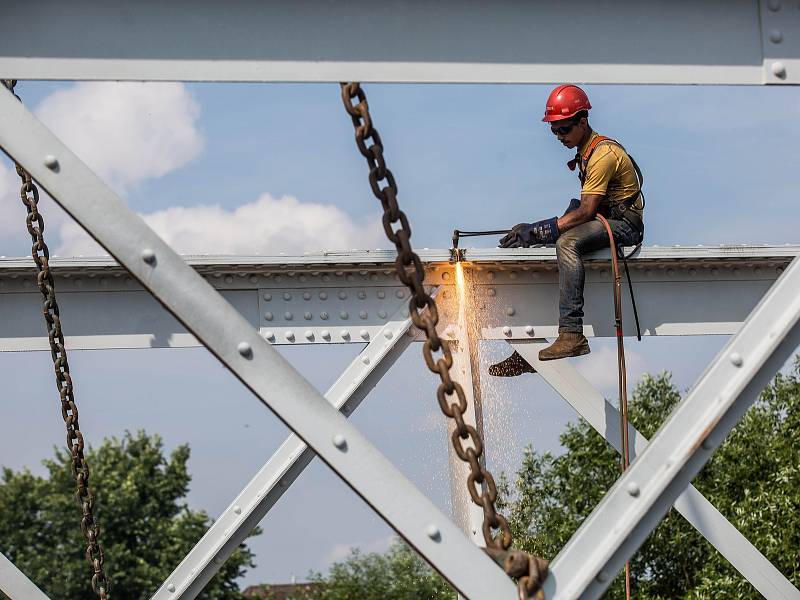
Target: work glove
{"points": [[574, 204], [523, 235]]}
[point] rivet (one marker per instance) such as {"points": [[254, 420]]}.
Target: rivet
{"points": [[306, 296], [506, 330], [289, 335], [342, 295], [778, 69], [340, 442], [350, 278], [445, 276], [253, 279], [362, 294], [149, 256], [228, 279], [602, 577], [237, 509], [267, 297], [692, 272], [510, 311], [774, 5], [287, 296], [326, 335], [633, 489], [171, 588], [529, 329], [490, 275], [492, 292], [269, 336], [364, 334], [307, 316], [343, 314], [245, 349], [365, 360], [373, 277], [775, 36], [51, 162], [278, 278], [432, 531], [362, 314], [670, 272], [78, 282], [388, 335], [400, 294], [512, 275], [707, 443], [288, 316], [381, 294], [326, 278], [715, 271], [382, 314], [268, 316], [736, 359], [323, 315], [323, 295], [345, 334], [302, 279], [309, 335]]}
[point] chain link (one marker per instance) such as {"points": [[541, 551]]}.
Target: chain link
{"points": [[90, 528], [450, 395]]}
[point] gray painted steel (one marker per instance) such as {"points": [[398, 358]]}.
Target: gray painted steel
{"points": [[15, 584], [233, 340], [714, 41], [306, 300], [640, 498], [590, 404], [282, 469]]}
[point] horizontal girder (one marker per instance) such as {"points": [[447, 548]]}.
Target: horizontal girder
{"points": [[711, 42], [349, 297]]}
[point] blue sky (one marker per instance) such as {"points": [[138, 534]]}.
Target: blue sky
{"points": [[211, 165]]}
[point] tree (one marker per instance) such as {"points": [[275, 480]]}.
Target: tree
{"points": [[753, 479], [399, 574], [146, 528]]}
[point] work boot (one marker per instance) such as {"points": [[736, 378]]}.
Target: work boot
{"points": [[567, 344], [511, 367]]}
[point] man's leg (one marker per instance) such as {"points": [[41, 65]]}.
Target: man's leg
{"points": [[570, 249]]}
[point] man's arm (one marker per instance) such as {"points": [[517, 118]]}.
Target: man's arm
{"points": [[583, 214]]}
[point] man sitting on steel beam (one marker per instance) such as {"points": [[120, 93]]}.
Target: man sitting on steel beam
{"points": [[611, 185]]}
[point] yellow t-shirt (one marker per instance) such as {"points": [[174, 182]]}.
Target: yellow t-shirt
{"points": [[610, 173]]}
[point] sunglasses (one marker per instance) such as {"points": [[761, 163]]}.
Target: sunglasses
{"points": [[563, 130]]}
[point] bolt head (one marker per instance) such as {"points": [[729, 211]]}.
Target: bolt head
{"points": [[778, 69], [237, 509], [736, 359], [776, 36], [364, 334], [51, 162], [309, 335], [432, 531], [633, 489], [602, 577], [326, 335], [529, 329], [339, 441], [245, 349], [149, 256], [290, 335], [506, 330], [269, 336], [707, 444]]}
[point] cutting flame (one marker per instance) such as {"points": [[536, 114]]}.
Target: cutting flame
{"points": [[461, 291]]}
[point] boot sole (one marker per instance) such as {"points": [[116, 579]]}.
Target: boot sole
{"points": [[580, 352]]}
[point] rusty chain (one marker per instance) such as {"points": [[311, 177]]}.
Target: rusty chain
{"points": [[530, 571], [90, 528]]}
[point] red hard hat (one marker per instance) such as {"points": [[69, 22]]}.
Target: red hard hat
{"points": [[564, 102]]}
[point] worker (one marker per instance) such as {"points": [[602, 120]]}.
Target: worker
{"points": [[610, 186]]}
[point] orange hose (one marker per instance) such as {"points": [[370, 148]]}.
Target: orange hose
{"points": [[622, 371]]}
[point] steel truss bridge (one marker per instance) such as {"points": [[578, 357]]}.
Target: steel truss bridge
{"points": [[239, 307]]}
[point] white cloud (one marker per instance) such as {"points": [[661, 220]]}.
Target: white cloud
{"points": [[126, 132], [266, 226]]}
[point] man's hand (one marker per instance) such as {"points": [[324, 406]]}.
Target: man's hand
{"points": [[523, 235]]}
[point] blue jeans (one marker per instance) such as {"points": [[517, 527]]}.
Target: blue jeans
{"points": [[570, 248]]}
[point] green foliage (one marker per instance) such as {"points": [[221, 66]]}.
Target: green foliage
{"points": [[753, 479], [146, 529], [399, 574]]}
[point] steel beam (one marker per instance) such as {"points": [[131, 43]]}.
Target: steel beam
{"points": [[237, 345], [15, 584], [347, 297], [590, 404], [643, 494], [282, 469], [711, 42]]}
